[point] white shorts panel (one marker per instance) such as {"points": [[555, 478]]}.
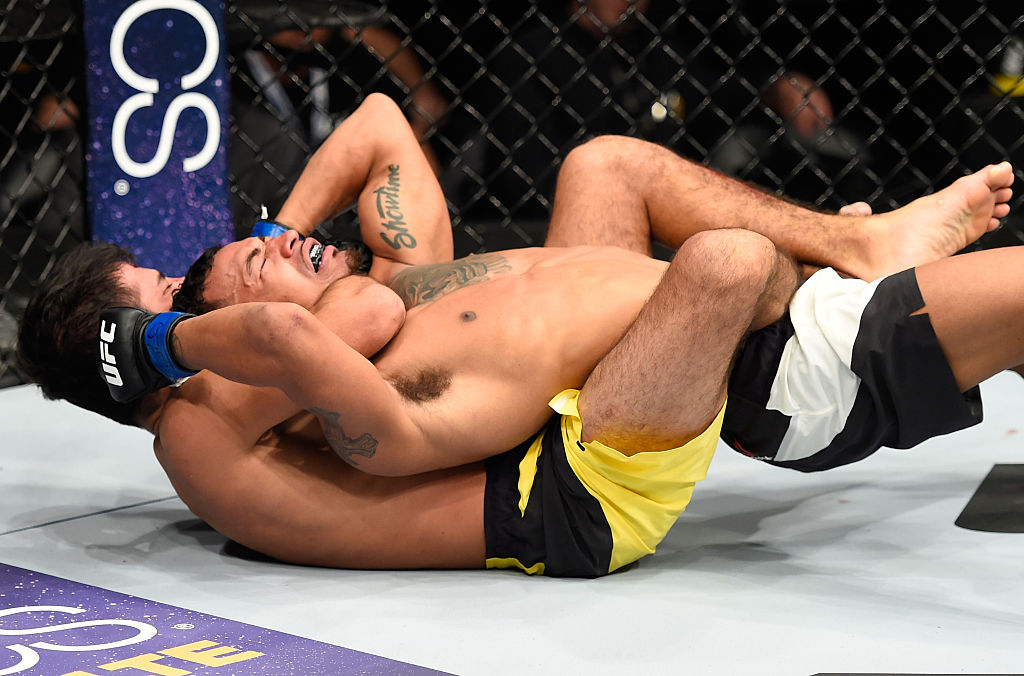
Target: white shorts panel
{"points": [[815, 384]]}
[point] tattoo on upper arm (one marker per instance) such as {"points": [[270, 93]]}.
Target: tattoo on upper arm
{"points": [[425, 283], [345, 446], [390, 211]]}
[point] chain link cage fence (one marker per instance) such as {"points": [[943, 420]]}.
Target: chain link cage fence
{"points": [[824, 101]]}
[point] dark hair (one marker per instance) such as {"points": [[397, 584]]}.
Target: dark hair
{"points": [[189, 298], [58, 340]]}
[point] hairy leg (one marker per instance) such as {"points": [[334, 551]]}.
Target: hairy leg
{"points": [[666, 379], [976, 306], [625, 192]]}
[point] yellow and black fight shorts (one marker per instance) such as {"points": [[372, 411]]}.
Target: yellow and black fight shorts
{"points": [[557, 506]]}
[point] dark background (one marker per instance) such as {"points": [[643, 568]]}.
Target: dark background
{"points": [[500, 92]]}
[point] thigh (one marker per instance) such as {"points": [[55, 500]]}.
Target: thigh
{"points": [[665, 381], [595, 202], [976, 305]]}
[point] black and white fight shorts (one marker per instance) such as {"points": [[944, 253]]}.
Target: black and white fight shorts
{"points": [[846, 372]]}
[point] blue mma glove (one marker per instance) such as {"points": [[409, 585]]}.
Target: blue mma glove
{"points": [[269, 229], [135, 352]]}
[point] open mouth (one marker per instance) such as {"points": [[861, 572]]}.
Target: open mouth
{"points": [[357, 255], [316, 254]]}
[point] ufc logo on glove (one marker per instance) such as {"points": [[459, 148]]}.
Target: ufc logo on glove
{"points": [[107, 360]]}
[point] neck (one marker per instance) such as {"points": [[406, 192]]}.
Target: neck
{"points": [[152, 409]]}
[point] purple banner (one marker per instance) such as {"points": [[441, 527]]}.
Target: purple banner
{"points": [[52, 626], [156, 157]]}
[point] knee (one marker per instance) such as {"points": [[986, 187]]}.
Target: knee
{"points": [[595, 155], [604, 155], [742, 266], [729, 257]]}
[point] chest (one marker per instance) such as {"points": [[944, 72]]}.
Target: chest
{"points": [[497, 330]]}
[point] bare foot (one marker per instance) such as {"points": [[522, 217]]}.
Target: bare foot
{"points": [[936, 226]]}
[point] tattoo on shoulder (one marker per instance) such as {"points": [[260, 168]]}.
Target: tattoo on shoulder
{"points": [[389, 208], [345, 446], [426, 283]]}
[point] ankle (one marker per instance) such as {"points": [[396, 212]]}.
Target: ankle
{"points": [[870, 249]]}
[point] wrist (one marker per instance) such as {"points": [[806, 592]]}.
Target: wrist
{"points": [[163, 348], [268, 228]]}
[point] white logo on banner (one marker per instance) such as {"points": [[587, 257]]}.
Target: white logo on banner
{"points": [[29, 656], [148, 86]]}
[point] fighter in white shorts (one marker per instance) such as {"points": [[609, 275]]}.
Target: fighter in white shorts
{"points": [[848, 370]]}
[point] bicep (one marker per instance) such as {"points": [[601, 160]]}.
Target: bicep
{"points": [[288, 348], [363, 418]]}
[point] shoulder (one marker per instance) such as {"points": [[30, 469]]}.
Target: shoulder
{"points": [[206, 446], [219, 415]]}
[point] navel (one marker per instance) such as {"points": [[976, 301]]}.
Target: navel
{"points": [[468, 316]]}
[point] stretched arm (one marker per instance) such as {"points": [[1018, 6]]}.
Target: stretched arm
{"points": [[374, 160], [363, 418]]}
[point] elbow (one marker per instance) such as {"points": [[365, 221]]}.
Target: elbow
{"points": [[377, 106]]}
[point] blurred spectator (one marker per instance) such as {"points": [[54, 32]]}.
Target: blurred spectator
{"points": [[595, 67], [41, 172], [695, 77], [427, 107], [901, 97], [807, 135], [41, 200], [290, 93]]}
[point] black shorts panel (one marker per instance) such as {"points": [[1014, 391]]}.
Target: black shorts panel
{"points": [[564, 526], [907, 392]]}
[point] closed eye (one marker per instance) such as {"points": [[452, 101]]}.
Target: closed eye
{"points": [[252, 256], [248, 261]]}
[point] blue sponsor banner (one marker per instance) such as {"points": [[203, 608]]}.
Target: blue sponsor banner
{"points": [[156, 157], [56, 627]]}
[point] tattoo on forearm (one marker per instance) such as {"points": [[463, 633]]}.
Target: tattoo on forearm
{"points": [[390, 211], [426, 283], [345, 446]]}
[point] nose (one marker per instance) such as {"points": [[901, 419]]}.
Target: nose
{"points": [[286, 243]]}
